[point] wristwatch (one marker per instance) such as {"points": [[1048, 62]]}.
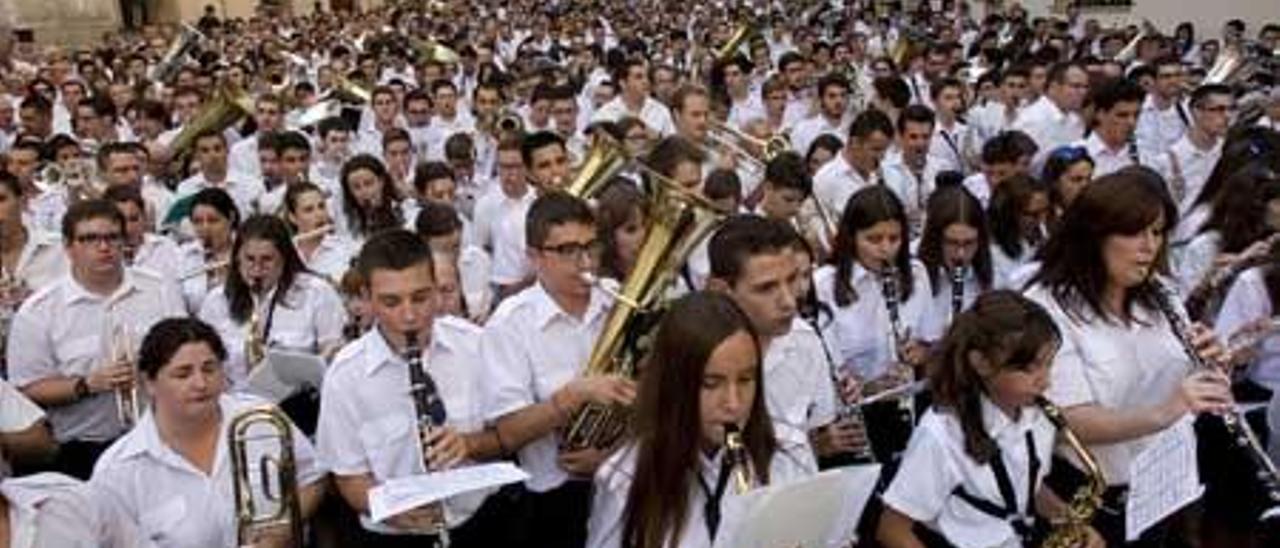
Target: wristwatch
{"points": [[82, 388]]}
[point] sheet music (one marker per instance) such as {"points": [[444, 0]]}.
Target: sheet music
{"points": [[402, 494], [284, 372], [1162, 478], [819, 511]]}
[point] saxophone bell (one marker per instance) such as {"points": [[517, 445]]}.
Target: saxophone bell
{"points": [[737, 457], [1073, 530]]}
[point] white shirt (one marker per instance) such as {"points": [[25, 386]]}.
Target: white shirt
{"points": [[613, 485], [1196, 260], [42, 260], [160, 255], [499, 227], [947, 147], [44, 212], [860, 333], [1247, 301], [474, 272], [1049, 126], [989, 120], [798, 385], [531, 348], [1189, 163], [308, 319], [367, 415], [1105, 159], [174, 504], [835, 182], [332, 257], [1004, 266], [196, 284], [978, 185], [935, 463], [55, 511], [941, 311], [64, 330], [441, 130], [912, 190], [1157, 129], [243, 189], [243, 157], [1116, 366], [17, 413], [655, 115], [808, 130]]}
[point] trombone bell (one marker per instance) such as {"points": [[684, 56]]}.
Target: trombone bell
{"points": [[270, 500]]}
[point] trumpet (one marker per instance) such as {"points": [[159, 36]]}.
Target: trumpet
{"points": [[509, 122], [1073, 531], [128, 406], [737, 458], [739, 142], [287, 512], [1233, 420], [429, 413]]}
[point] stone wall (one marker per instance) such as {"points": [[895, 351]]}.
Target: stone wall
{"points": [[66, 22]]}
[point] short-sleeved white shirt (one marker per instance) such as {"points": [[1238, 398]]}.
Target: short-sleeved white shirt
{"points": [[1248, 301], [860, 335], [56, 511], [17, 413], [835, 182], [170, 501], [798, 385], [42, 260]]}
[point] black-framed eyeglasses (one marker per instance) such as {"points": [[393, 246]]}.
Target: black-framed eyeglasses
{"points": [[574, 250], [90, 239]]}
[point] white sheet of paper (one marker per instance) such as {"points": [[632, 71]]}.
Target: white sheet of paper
{"points": [[283, 372], [1162, 478], [819, 511], [401, 494]]}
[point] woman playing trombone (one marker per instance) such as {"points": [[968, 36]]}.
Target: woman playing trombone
{"points": [[172, 475]]}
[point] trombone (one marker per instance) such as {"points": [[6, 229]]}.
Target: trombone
{"points": [[251, 518], [740, 143]]}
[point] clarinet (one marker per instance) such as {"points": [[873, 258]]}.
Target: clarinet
{"points": [[957, 290], [1132, 145], [849, 411], [1234, 421], [892, 298], [429, 413]]}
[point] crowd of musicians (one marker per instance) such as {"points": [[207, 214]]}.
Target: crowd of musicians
{"points": [[655, 254]]}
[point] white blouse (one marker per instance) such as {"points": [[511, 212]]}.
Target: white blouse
{"points": [[860, 333], [1247, 301], [941, 312]]}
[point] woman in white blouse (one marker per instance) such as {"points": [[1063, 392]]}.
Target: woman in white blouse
{"points": [[204, 260], [369, 202], [664, 487], [955, 240], [328, 255], [29, 258], [296, 309], [171, 476], [1121, 375], [864, 338], [1018, 215]]}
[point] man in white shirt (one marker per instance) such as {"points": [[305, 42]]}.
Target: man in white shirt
{"points": [[794, 70], [24, 433], [833, 114], [743, 104], [211, 153], [369, 421], [546, 160], [334, 147], [121, 165], [910, 171], [949, 133], [857, 165], [997, 116], [1054, 120], [1187, 164], [448, 119], [1163, 118], [1115, 110], [61, 334], [751, 262], [1002, 157], [535, 347], [268, 113], [142, 248], [499, 221], [635, 101]]}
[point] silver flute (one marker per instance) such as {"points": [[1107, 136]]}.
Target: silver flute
{"points": [[1245, 438], [891, 290]]}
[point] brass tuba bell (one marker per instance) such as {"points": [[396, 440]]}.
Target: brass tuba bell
{"points": [[605, 159]]}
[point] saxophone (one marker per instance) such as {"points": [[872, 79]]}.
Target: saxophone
{"points": [[1073, 530], [255, 344], [737, 457]]}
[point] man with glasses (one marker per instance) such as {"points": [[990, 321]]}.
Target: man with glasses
{"points": [[60, 336], [535, 347], [1187, 163], [1164, 118], [1054, 120]]}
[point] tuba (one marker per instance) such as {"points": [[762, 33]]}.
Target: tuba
{"points": [[1086, 501], [229, 105], [681, 220], [287, 511], [347, 91], [605, 159]]}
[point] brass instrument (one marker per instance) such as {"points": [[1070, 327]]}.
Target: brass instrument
{"points": [[1233, 420], [287, 512], [181, 46], [79, 178], [737, 457], [128, 406], [322, 110], [605, 159], [680, 221], [738, 142], [435, 52], [1073, 531], [740, 36], [255, 341], [509, 122], [1205, 298], [429, 414], [1130, 50], [228, 106], [347, 91]]}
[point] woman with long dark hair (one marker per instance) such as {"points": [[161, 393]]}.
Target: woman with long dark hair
{"points": [[369, 202], [705, 372], [1240, 221], [1018, 214], [1122, 375], [269, 287], [325, 253], [955, 244], [214, 218]]}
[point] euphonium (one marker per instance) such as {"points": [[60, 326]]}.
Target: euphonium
{"points": [[429, 413], [681, 219], [605, 159], [1073, 531], [128, 407], [737, 457], [227, 107], [287, 512]]}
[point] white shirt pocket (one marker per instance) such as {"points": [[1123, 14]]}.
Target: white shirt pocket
{"points": [[392, 446]]}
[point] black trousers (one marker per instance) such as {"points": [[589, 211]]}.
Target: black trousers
{"points": [[558, 518]]}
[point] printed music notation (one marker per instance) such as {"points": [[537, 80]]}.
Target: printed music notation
{"points": [[1162, 478]]}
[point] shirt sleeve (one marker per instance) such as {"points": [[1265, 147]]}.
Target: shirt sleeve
{"points": [[1068, 384], [337, 431], [17, 413], [925, 478], [331, 315], [30, 351], [507, 370], [1246, 301]]}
